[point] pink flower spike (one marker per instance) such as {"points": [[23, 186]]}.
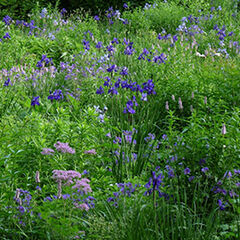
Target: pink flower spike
{"points": [[180, 103], [167, 106], [82, 206], [47, 151], [91, 152], [37, 177], [224, 130], [64, 148], [205, 100]]}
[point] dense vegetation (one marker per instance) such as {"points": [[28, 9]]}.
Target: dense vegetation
{"points": [[122, 125]]}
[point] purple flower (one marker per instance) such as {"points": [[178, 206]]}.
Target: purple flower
{"points": [[43, 13], [153, 183], [96, 18], [85, 172], [124, 71], [125, 5], [100, 90], [7, 20], [187, 171], [149, 87], [222, 205], [129, 50], [66, 196], [160, 59], [237, 172], [112, 68], [86, 44], [56, 95], [108, 135], [190, 179], [99, 45], [202, 161], [115, 40], [227, 174], [7, 36], [129, 106], [205, 169], [144, 97], [113, 91], [63, 11], [125, 21], [47, 199], [110, 48], [164, 136], [7, 82], [35, 101]]}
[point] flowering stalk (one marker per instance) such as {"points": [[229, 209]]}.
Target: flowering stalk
{"points": [[59, 195], [37, 177]]}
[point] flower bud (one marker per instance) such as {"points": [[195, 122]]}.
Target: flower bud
{"points": [[37, 177], [167, 106], [180, 103], [224, 130]]}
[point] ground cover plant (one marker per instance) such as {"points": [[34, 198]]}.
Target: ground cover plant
{"points": [[122, 125]]}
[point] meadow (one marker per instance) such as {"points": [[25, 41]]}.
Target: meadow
{"points": [[123, 125]]}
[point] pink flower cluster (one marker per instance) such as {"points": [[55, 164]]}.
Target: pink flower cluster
{"points": [[82, 206], [91, 151], [47, 151], [72, 177], [66, 176], [64, 148], [83, 185]]}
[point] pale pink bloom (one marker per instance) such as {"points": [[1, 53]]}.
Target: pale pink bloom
{"points": [[91, 151], [180, 103], [224, 130], [82, 206], [64, 148], [37, 177], [83, 185], [173, 97], [47, 151], [192, 95], [205, 100], [191, 108], [167, 106], [66, 176]]}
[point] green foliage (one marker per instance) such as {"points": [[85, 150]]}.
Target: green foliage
{"points": [[19, 9]]}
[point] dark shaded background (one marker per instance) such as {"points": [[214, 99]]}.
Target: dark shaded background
{"points": [[19, 9]]}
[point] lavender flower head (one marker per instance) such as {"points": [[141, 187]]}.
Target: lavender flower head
{"points": [[47, 151], [82, 206], [91, 152], [64, 148], [224, 131], [82, 185], [65, 176]]}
